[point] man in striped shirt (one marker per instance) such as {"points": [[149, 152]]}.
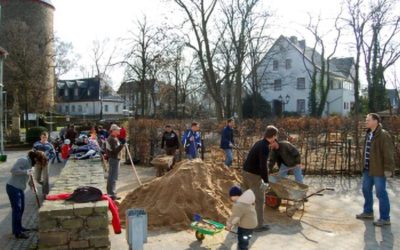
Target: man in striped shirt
{"points": [[378, 164]]}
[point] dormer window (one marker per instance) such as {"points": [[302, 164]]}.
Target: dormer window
{"points": [[76, 91]]}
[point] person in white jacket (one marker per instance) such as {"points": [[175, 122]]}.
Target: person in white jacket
{"points": [[243, 214]]}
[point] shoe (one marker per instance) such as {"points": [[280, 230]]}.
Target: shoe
{"points": [[22, 236], [115, 198], [363, 216], [263, 228], [380, 223]]}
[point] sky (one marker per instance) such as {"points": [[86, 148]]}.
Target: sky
{"points": [[83, 21]]}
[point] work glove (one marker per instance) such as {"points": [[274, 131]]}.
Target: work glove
{"points": [[263, 186], [29, 172], [388, 174]]}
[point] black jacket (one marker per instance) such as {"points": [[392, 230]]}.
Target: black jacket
{"points": [[286, 154], [256, 162], [170, 139]]}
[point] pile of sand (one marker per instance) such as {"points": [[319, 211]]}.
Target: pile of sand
{"points": [[191, 187]]}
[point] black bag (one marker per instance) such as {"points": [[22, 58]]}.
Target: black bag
{"points": [[85, 194]]}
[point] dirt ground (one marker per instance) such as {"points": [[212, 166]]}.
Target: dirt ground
{"points": [[328, 221]]}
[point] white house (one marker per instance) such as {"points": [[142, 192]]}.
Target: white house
{"points": [[284, 73], [83, 97]]}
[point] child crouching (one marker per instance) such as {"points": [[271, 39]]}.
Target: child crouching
{"points": [[243, 214]]}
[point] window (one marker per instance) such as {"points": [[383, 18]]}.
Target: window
{"points": [[346, 105], [275, 65], [67, 109], [76, 91], [66, 92], [277, 85], [336, 84], [88, 92], [116, 108], [73, 108], [301, 106], [60, 109], [105, 108], [288, 63], [301, 83], [80, 108]]}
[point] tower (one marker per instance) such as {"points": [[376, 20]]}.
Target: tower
{"points": [[26, 32]]}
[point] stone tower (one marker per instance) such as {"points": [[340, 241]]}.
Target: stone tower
{"points": [[26, 31]]}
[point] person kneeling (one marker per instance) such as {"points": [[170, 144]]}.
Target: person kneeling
{"points": [[243, 214]]}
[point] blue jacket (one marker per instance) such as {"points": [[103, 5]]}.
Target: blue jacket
{"points": [[226, 137], [191, 146], [47, 148]]}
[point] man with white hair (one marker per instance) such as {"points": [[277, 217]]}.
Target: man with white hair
{"points": [[113, 147]]}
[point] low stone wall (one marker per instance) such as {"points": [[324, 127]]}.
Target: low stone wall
{"points": [[68, 225]]}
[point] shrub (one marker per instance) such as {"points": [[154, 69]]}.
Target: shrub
{"points": [[33, 134]]}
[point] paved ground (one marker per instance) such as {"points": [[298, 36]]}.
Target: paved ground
{"points": [[328, 222], [29, 220]]}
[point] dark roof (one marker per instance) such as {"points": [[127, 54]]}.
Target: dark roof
{"points": [[338, 66]]}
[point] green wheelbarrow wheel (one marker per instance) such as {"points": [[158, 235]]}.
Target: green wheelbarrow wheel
{"points": [[199, 236]]}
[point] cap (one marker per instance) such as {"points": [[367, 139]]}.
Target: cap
{"points": [[67, 141], [114, 127], [235, 191]]}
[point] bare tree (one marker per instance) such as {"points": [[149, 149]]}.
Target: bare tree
{"points": [[381, 49], [199, 14], [28, 66], [145, 52], [317, 67], [65, 58]]}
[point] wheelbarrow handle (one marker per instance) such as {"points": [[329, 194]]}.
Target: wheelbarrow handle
{"points": [[330, 189]]}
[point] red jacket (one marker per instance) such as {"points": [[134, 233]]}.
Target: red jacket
{"points": [[116, 222], [122, 133], [65, 150]]}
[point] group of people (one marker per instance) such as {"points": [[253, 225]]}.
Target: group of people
{"points": [[35, 165], [248, 209]]}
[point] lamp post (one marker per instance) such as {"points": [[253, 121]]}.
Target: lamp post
{"points": [[287, 99], [3, 55]]}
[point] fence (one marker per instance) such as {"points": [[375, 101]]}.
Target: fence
{"points": [[331, 145]]}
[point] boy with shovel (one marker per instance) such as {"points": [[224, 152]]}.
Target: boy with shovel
{"points": [[243, 214]]}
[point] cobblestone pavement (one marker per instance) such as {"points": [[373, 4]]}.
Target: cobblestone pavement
{"points": [[29, 220]]}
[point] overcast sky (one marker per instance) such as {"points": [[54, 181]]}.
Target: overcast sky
{"points": [[83, 21]]}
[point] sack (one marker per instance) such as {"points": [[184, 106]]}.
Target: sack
{"points": [[85, 194]]}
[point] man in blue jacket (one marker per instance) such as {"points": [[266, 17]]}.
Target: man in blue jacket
{"points": [[227, 142], [191, 141]]}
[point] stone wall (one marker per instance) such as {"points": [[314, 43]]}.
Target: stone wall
{"points": [[68, 225]]}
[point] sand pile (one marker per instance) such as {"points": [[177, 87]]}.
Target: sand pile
{"points": [[191, 187]]}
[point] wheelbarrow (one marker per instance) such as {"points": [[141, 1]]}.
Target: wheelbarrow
{"points": [[204, 227], [284, 189]]}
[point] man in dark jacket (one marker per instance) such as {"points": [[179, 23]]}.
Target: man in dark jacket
{"points": [[227, 142], [170, 140], [255, 173], [286, 156], [114, 147], [378, 164]]}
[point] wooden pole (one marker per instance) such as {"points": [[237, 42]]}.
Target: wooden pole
{"points": [[34, 190], [133, 165]]}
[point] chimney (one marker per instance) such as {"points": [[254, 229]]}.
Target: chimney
{"points": [[302, 44], [293, 39]]}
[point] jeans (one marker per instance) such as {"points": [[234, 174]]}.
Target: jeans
{"points": [[297, 172], [112, 176], [17, 200], [244, 236], [228, 157], [42, 177], [380, 190]]}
